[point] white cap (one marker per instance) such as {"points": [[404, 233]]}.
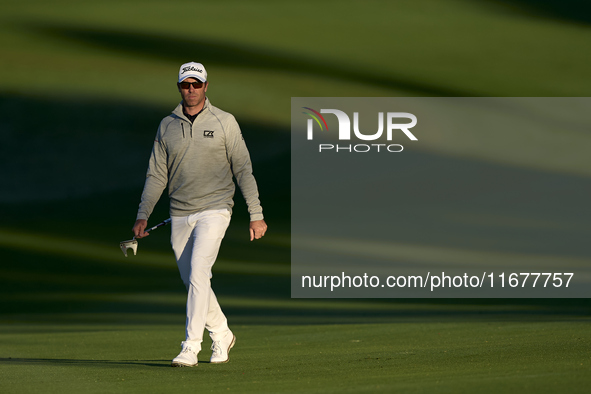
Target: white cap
{"points": [[192, 70]]}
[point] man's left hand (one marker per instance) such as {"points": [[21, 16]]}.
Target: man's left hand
{"points": [[258, 228]]}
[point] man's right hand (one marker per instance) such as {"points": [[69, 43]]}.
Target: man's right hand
{"points": [[139, 227]]}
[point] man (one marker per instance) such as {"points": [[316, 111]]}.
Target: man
{"points": [[197, 150]]}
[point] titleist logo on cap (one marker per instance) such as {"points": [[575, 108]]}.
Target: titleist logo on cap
{"points": [[191, 68]]}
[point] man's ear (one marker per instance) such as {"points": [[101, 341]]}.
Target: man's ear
{"points": [[206, 85], [178, 86]]}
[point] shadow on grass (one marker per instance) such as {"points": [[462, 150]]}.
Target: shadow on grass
{"points": [[569, 11], [230, 54], [67, 157], [62, 288], [69, 361]]}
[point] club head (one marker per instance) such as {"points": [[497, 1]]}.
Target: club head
{"points": [[131, 244]]}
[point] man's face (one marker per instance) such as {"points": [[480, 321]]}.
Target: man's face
{"points": [[193, 97]]}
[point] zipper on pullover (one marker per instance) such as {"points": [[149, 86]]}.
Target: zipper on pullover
{"points": [[190, 129]]}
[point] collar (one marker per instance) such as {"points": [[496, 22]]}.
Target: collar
{"points": [[178, 111]]}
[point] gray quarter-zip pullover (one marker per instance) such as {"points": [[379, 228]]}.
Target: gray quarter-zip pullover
{"points": [[197, 162]]}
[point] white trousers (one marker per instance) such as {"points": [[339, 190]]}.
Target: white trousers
{"points": [[196, 241]]}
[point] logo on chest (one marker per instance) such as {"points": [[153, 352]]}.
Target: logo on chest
{"points": [[208, 133]]}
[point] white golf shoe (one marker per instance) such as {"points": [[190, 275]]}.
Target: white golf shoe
{"points": [[221, 348], [187, 357]]}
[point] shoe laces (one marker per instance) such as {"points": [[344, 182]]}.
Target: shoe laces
{"points": [[187, 349], [217, 348]]}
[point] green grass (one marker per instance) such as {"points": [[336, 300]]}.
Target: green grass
{"points": [[430, 355], [73, 322], [83, 86]]}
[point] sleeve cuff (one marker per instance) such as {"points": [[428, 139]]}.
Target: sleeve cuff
{"points": [[141, 215], [256, 216]]}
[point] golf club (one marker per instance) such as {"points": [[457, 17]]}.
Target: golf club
{"points": [[132, 243]]}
